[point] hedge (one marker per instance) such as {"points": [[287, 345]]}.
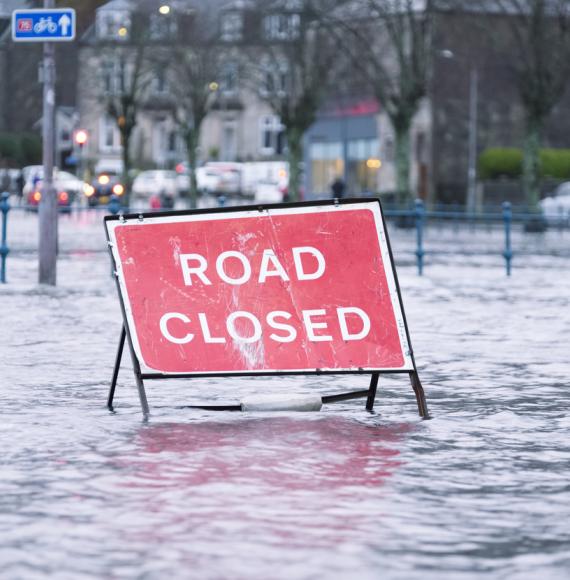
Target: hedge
{"points": [[508, 162], [20, 149], [555, 163]]}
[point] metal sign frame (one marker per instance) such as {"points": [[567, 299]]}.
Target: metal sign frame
{"points": [[141, 376], [46, 12]]}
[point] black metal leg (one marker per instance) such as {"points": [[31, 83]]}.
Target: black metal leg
{"points": [[420, 395], [372, 391], [142, 393], [116, 369]]}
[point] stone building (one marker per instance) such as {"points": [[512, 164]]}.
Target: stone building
{"points": [[240, 126], [351, 137]]}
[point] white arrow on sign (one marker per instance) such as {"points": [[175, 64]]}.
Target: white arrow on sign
{"points": [[64, 23]]}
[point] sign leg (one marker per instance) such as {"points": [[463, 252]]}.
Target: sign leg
{"points": [[372, 391], [142, 393], [116, 369], [420, 395]]}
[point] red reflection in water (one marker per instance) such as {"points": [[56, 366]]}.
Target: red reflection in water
{"points": [[282, 453]]}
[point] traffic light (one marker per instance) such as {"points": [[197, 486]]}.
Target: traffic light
{"points": [[81, 137]]}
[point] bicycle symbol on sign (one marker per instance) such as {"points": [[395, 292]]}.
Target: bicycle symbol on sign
{"points": [[45, 25]]}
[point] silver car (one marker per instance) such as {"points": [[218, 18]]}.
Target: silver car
{"points": [[557, 206]]}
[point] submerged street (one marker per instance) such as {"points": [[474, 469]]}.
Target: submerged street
{"points": [[480, 489]]}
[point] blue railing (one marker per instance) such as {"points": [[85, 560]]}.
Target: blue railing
{"points": [[416, 216], [4, 208]]}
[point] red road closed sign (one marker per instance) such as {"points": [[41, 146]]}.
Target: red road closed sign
{"points": [[283, 289]]}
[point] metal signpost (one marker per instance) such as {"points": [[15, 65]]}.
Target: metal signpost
{"points": [[283, 289], [47, 25]]}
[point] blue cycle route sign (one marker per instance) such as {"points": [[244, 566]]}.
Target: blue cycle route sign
{"points": [[43, 25]]}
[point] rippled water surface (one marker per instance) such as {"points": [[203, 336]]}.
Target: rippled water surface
{"points": [[480, 490]]}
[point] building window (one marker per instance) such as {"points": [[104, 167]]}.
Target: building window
{"points": [[232, 26], [166, 143], [272, 136], [160, 81], [363, 165], [109, 135], [113, 25], [172, 142], [281, 26], [113, 72], [229, 80], [162, 27], [326, 165], [274, 77]]}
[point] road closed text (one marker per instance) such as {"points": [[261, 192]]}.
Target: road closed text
{"points": [[234, 268], [242, 326]]}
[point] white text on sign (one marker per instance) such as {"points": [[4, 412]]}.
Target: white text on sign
{"points": [[244, 327]]}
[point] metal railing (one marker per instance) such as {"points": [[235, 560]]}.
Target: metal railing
{"points": [[416, 217], [4, 208]]}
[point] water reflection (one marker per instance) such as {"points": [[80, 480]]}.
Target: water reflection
{"points": [[242, 494], [282, 452]]}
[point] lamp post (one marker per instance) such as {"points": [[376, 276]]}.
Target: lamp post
{"points": [[47, 210], [471, 200]]}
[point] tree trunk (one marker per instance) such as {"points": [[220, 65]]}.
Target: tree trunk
{"points": [[295, 157], [191, 146], [531, 162], [125, 155], [402, 134]]}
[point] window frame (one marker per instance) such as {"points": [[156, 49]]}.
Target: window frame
{"points": [[106, 123], [271, 126]]}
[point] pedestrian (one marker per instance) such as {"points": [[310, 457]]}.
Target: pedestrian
{"points": [[20, 181], [6, 182], [338, 188], [155, 202]]}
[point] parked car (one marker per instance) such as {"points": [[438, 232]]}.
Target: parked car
{"points": [[214, 178], [222, 178], [156, 183], [102, 188], [64, 198], [267, 191], [63, 181], [157, 187], [557, 206]]}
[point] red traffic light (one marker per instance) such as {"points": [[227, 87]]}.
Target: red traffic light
{"points": [[81, 137]]}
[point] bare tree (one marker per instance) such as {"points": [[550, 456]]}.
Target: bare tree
{"points": [[540, 33], [123, 98], [294, 68], [389, 43], [196, 71]]}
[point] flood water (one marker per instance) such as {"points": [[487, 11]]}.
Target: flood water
{"points": [[481, 490]]}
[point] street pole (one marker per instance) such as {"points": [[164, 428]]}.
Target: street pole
{"points": [[472, 160], [48, 203]]}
